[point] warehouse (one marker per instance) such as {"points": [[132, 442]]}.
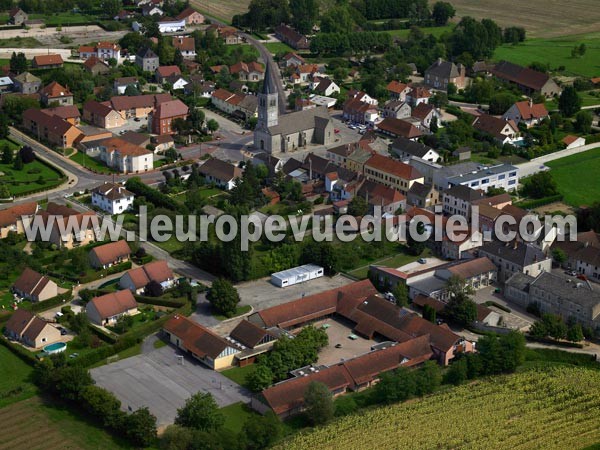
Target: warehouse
{"points": [[296, 275]]}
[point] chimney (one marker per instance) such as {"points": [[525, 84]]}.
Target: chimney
{"points": [[515, 245], [439, 61], [531, 103]]}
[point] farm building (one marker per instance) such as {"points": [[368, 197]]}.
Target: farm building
{"points": [[296, 275]]}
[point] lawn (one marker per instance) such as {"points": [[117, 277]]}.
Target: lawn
{"points": [[239, 374], [556, 52], [35, 176], [15, 383], [39, 424], [63, 18], [244, 49], [394, 261], [547, 408], [278, 47], [435, 31], [577, 177], [172, 245], [243, 309], [90, 163], [20, 42], [236, 415]]}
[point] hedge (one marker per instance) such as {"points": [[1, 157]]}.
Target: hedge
{"points": [[50, 303], [498, 305], [553, 342], [158, 301], [103, 335], [530, 204]]}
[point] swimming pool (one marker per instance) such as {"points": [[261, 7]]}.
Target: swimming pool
{"points": [[57, 347]]}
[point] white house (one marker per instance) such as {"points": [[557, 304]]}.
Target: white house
{"points": [[220, 172], [170, 25], [573, 141], [112, 198], [177, 82], [126, 157], [327, 87]]}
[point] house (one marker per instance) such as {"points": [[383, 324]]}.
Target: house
{"points": [[56, 95], [293, 60], [527, 112], [138, 106], [418, 95], [516, 257], [109, 308], [96, 66], [152, 10], [162, 142], [405, 149], [191, 16], [252, 71], [462, 243], [462, 153], [358, 111], [165, 114], [163, 72], [34, 286], [11, 219], [47, 62], [123, 15], [503, 131], [422, 195], [122, 83], [70, 113], [200, 342], [17, 16], [177, 82], [397, 90], [186, 45], [528, 80], [107, 255], [112, 198], [327, 88], [388, 199], [220, 172], [146, 60], [51, 128], [426, 114], [27, 83], [554, 294], [441, 73], [170, 25], [391, 172], [291, 37], [24, 326], [458, 199], [230, 35], [399, 128], [137, 279], [102, 50], [571, 141], [396, 109], [125, 157], [68, 227], [362, 96], [198, 86], [102, 115], [6, 84]]}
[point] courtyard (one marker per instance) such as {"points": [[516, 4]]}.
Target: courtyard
{"points": [[339, 335]]}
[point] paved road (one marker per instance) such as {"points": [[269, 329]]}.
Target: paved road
{"points": [[537, 164]]}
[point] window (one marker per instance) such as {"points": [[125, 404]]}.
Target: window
{"points": [[512, 182], [485, 181], [501, 177], [512, 174]]}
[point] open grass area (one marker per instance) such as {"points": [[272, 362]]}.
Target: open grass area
{"points": [[15, 383], [20, 42], [540, 408], [239, 374], [221, 9], [63, 18], [541, 18], [394, 261], [37, 423], [557, 52], [240, 310], [34, 177], [278, 47], [90, 163], [245, 49], [435, 31], [236, 415], [577, 177]]}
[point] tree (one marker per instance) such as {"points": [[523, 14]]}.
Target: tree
{"points": [[4, 191], [18, 162], [212, 125], [457, 373], [320, 253], [396, 386], [539, 185], [7, 154], [428, 378], [304, 14], [18, 63], [4, 130], [429, 313], [196, 118], [451, 89], [176, 437], [27, 154], [442, 12], [224, 297], [318, 403], [132, 90], [559, 256], [575, 333], [140, 427], [501, 102], [200, 412], [358, 206], [583, 122], [178, 58], [400, 293], [112, 7], [260, 379], [569, 101], [260, 432], [416, 247], [460, 307], [102, 405]]}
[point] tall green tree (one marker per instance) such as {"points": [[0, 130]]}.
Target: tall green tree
{"points": [[7, 154], [260, 432], [200, 412], [223, 296], [442, 12], [304, 14], [583, 121], [569, 101], [140, 427], [318, 403], [460, 307]]}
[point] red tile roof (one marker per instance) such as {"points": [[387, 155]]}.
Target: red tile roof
{"points": [[393, 167], [399, 127], [47, 60], [187, 44], [124, 147], [94, 60], [396, 87], [570, 139], [421, 111], [54, 90], [10, 216], [31, 282], [172, 108], [158, 271], [115, 303], [165, 71], [529, 110], [195, 338], [187, 12], [111, 252]]}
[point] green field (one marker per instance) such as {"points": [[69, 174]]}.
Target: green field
{"points": [[239, 374], [395, 261], [235, 416], [577, 177], [63, 18], [556, 52], [435, 31], [278, 47], [549, 408], [90, 163], [35, 176], [15, 383]]}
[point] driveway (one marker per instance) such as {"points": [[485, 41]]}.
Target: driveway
{"points": [[517, 319], [157, 380]]}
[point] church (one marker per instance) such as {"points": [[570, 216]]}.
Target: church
{"points": [[274, 134]]}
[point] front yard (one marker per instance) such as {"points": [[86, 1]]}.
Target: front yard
{"points": [[90, 163], [33, 177]]}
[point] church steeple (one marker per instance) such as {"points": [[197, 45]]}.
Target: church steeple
{"points": [[268, 110]]}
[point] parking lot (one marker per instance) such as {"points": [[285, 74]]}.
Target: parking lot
{"points": [[338, 333], [518, 319], [157, 380]]}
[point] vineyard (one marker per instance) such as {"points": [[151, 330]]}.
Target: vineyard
{"points": [[558, 408]]}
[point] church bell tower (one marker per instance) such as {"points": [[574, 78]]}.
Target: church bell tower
{"points": [[268, 109]]}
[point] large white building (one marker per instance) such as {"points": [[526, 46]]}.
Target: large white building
{"points": [[112, 198], [169, 25], [296, 275], [126, 157]]}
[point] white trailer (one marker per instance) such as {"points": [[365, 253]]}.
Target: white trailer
{"points": [[296, 275]]}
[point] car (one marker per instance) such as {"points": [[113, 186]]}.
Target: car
{"points": [[422, 261], [338, 345], [336, 131], [389, 296], [137, 119], [352, 127], [581, 277], [58, 315], [571, 273], [63, 332]]}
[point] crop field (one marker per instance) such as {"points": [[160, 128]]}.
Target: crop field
{"points": [[221, 9], [557, 52], [577, 178], [541, 18], [35, 424], [552, 408]]}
